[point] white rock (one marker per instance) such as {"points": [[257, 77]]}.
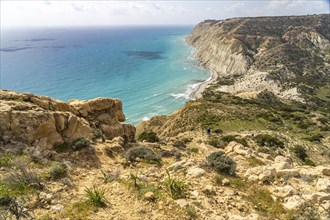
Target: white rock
{"points": [[225, 182], [181, 202], [57, 208], [318, 197], [267, 174], [194, 194], [282, 165], [288, 173], [280, 159], [323, 185], [177, 166], [284, 191], [195, 172], [294, 202]]}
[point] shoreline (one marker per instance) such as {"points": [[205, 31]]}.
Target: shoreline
{"points": [[201, 87]]}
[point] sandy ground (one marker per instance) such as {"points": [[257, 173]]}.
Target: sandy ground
{"points": [[198, 93]]}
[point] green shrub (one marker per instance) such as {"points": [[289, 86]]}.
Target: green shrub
{"points": [[218, 180], [214, 142], [315, 138], [230, 138], [300, 152], [194, 150], [179, 144], [266, 140], [96, 197], [80, 144], [58, 170], [61, 148], [221, 163], [143, 153], [191, 211], [6, 159], [148, 136], [175, 188], [171, 153], [97, 133]]}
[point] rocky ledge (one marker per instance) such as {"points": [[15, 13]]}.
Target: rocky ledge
{"points": [[43, 122]]}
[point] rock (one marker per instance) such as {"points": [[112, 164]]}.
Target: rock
{"points": [[143, 178], [267, 174], [317, 197], [323, 185], [287, 173], [195, 172], [265, 156], [181, 202], [150, 196], [323, 170], [283, 191], [282, 165], [280, 159], [45, 122], [225, 182], [294, 202], [57, 208]]}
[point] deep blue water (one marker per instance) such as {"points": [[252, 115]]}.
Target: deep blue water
{"points": [[151, 69]]}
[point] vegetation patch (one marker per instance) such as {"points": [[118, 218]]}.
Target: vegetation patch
{"points": [[80, 144], [221, 163], [96, 197], [143, 153], [175, 188], [58, 170], [149, 137], [266, 140]]}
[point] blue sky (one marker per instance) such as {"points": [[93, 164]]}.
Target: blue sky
{"points": [[103, 13]]}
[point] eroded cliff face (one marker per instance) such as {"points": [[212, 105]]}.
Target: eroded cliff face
{"points": [[280, 54], [40, 121]]}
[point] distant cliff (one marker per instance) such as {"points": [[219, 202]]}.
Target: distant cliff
{"points": [[280, 54]]}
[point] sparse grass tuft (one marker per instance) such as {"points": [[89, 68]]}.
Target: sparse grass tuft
{"points": [[175, 188], [218, 180], [96, 197]]}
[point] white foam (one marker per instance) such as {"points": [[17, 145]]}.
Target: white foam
{"points": [[145, 118], [188, 93]]}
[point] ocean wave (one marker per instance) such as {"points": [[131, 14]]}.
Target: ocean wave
{"points": [[154, 95], [188, 94]]}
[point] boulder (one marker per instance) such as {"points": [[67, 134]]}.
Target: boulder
{"points": [[294, 202], [283, 191], [45, 122], [195, 172], [323, 184]]}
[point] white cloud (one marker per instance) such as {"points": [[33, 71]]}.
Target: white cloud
{"points": [[56, 13]]}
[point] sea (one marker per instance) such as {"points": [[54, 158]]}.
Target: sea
{"points": [[151, 69]]}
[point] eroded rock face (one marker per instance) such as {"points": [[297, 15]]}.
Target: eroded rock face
{"points": [[41, 121]]}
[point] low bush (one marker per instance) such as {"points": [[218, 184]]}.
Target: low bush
{"points": [[149, 137], [179, 144], [214, 142], [97, 133], [315, 138], [300, 152], [80, 144], [58, 170], [171, 153], [266, 140], [143, 153], [229, 138], [221, 163], [191, 211]]}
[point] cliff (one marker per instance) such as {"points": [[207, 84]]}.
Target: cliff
{"points": [[28, 120], [280, 54]]}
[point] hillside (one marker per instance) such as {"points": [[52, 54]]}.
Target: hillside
{"points": [[289, 56], [267, 155]]}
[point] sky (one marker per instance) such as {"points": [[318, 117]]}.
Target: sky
{"points": [[48, 13]]}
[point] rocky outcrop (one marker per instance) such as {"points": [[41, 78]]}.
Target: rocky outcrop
{"points": [[32, 120], [274, 53]]}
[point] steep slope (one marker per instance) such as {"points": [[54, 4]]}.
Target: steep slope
{"points": [[280, 54]]}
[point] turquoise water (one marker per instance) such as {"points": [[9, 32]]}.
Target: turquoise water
{"points": [[151, 69]]}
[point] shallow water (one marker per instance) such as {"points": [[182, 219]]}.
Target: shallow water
{"points": [[151, 69]]}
